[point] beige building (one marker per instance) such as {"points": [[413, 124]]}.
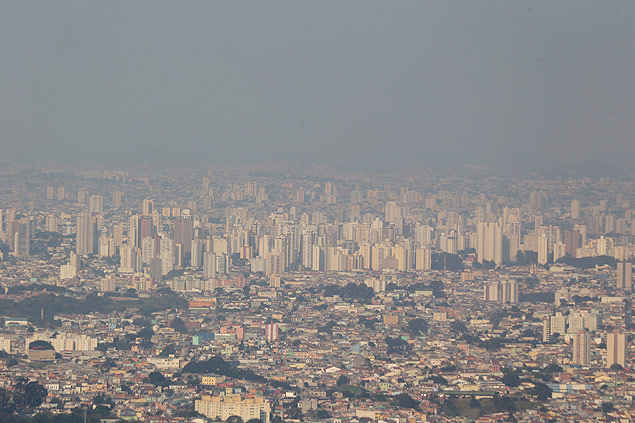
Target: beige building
{"points": [[41, 356], [616, 349], [211, 380], [222, 407], [582, 348], [5, 345]]}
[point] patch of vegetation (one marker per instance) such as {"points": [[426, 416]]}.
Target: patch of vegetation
{"points": [[53, 304], [588, 262], [220, 367], [474, 408], [350, 291]]}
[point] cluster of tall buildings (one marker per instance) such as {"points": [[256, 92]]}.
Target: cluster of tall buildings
{"points": [[502, 292]]}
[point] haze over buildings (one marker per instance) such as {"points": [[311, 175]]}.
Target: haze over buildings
{"points": [[358, 83], [320, 212]]}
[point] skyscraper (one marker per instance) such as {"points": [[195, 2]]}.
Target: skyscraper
{"points": [[147, 250], [616, 349], [624, 276], [183, 234], [51, 223], [128, 261], [575, 209], [147, 207], [318, 258], [489, 242], [167, 255], [308, 239], [96, 204], [271, 332], [116, 199], [543, 249], [197, 253], [133, 231], [546, 330], [423, 259], [571, 242], [582, 348], [85, 235], [557, 324], [146, 228], [209, 265], [23, 238]]}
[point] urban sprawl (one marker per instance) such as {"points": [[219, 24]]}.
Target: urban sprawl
{"points": [[270, 294]]}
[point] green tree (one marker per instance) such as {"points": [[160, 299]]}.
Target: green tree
{"points": [[156, 378], [541, 391], [28, 395], [404, 400], [343, 380], [511, 378], [145, 333], [178, 325]]}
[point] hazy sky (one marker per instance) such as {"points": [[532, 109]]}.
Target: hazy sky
{"points": [[376, 82]]}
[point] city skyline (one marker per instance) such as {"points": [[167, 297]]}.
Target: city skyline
{"points": [[317, 211]]}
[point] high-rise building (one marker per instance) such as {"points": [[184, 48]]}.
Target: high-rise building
{"points": [[209, 265], [146, 228], [133, 231], [106, 247], [96, 204], [272, 332], [557, 324], [197, 253], [392, 212], [116, 199], [128, 259], [50, 193], [576, 323], [23, 238], [147, 250], [317, 261], [571, 242], [624, 276], [543, 249], [156, 269], [308, 239], [274, 281], [147, 207], [575, 209], [299, 196], [86, 236], [559, 251], [68, 271], [502, 292], [546, 330], [616, 349], [108, 284], [117, 234], [582, 348], [51, 223], [167, 255], [489, 242], [183, 234], [423, 259]]}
